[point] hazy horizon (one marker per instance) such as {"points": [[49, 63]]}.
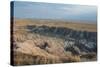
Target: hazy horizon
{"points": [[38, 10]]}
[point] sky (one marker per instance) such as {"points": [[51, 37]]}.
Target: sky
{"points": [[38, 10]]}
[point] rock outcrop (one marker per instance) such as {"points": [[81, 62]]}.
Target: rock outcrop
{"points": [[76, 41]]}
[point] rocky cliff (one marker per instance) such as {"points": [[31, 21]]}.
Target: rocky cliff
{"points": [[76, 41]]}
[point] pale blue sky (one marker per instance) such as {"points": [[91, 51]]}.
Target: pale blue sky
{"points": [[54, 11]]}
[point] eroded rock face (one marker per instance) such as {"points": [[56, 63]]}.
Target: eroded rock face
{"points": [[75, 41], [63, 32], [81, 46]]}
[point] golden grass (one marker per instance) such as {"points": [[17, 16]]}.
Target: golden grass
{"points": [[27, 59]]}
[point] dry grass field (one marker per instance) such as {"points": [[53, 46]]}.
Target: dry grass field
{"points": [[57, 23]]}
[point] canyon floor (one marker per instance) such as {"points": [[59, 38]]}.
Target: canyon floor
{"points": [[53, 41]]}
